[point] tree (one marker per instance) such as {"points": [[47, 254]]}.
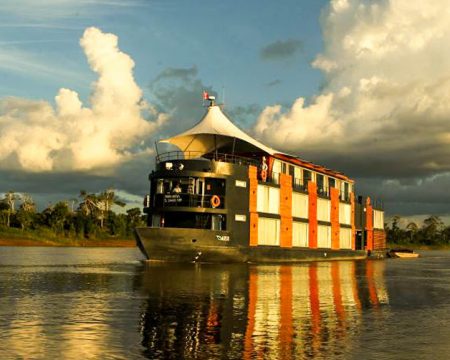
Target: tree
{"points": [[99, 205], [134, 219], [59, 215], [26, 212], [105, 202], [4, 212], [432, 229], [412, 230], [10, 200]]}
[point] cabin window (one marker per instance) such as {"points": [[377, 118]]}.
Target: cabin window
{"points": [[217, 222], [345, 213], [332, 182], [321, 186], [378, 219], [323, 236], [268, 199], [284, 168], [276, 170], [300, 234], [194, 221], [345, 195], [160, 186], [307, 176], [299, 205], [323, 209], [268, 231], [345, 238], [297, 172], [292, 171]]}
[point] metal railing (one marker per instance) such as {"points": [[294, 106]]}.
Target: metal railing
{"points": [[189, 155], [323, 191], [299, 184], [188, 200]]}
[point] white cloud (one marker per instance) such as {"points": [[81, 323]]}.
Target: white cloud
{"points": [[34, 136], [386, 98]]}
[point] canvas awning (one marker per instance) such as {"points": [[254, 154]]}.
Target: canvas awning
{"points": [[215, 132]]}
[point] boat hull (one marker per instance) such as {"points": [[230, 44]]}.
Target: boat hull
{"points": [[404, 255], [199, 245]]}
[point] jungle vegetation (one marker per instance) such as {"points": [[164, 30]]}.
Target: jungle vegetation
{"points": [[432, 232], [88, 216]]}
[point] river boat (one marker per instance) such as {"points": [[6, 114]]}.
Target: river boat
{"points": [[226, 197], [403, 254]]}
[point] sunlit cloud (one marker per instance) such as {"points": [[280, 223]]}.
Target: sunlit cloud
{"points": [[384, 108], [35, 136]]}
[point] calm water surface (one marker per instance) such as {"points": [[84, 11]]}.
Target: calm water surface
{"points": [[103, 303]]}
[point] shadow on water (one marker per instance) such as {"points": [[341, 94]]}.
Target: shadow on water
{"points": [[245, 311]]}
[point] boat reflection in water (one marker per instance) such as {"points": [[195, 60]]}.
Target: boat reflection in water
{"points": [[272, 311]]}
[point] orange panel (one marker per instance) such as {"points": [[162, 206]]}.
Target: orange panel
{"points": [[352, 204], [369, 224], [312, 213], [253, 191], [334, 217], [285, 210], [253, 241], [253, 223], [252, 172]]}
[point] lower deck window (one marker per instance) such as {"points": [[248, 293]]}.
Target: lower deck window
{"points": [[345, 238], [300, 235], [192, 220], [268, 231], [324, 236]]}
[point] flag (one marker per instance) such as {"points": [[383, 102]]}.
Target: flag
{"points": [[205, 95]]}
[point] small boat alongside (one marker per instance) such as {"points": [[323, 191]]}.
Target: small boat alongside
{"points": [[403, 253]]}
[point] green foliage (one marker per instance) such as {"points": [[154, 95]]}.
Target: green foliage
{"points": [[432, 232], [93, 219]]}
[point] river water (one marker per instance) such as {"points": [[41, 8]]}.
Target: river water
{"points": [[105, 303]]}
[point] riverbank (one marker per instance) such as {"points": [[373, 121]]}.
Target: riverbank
{"points": [[17, 237]]}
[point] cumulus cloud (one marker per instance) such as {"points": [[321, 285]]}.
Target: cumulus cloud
{"points": [[35, 136], [385, 105]]}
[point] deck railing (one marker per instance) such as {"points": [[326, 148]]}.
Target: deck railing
{"points": [[189, 155]]}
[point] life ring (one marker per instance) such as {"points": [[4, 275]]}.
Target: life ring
{"points": [[215, 201], [263, 174]]}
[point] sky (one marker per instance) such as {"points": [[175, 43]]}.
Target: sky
{"points": [[360, 86]]}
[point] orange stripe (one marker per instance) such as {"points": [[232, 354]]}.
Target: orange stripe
{"points": [[352, 204], [334, 217], [337, 293], [371, 284], [315, 306], [312, 213], [286, 329], [369, 224], [253, 191], [286, 210]]}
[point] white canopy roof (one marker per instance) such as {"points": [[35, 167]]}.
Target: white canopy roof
{"points": [[216, 131]]}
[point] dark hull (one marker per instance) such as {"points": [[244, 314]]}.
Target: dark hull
{"points": [[189, 245]]}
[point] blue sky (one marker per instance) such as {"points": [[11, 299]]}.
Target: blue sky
{"points": [[224, 40], [360, 86]]}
